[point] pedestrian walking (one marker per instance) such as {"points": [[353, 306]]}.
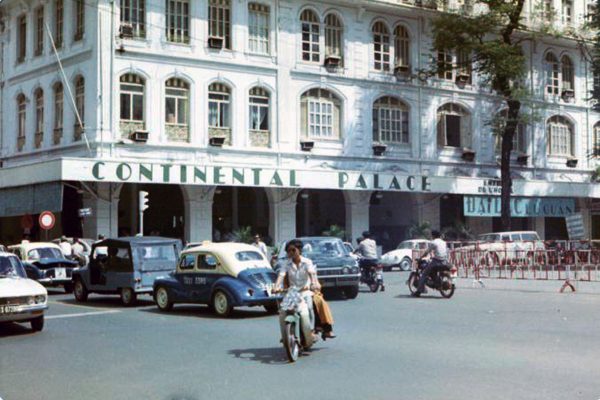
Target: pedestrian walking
{"points": [[260, 245]]}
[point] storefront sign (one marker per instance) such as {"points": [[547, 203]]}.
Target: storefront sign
{"points": [[490, 206], [575, 226]]}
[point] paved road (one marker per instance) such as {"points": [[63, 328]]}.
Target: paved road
{"points": [[483, 343]]}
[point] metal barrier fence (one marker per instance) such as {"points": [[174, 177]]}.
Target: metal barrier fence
{"points": [[565, 261]]}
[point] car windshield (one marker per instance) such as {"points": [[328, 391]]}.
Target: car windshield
{"points": [[323, 247], [11, 267], [405, 245], [249, 256], [165, 252], [44, 252]]}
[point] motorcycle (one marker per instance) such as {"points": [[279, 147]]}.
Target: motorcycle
{"points": [[293, 337], [442, 280], [372, 276]]}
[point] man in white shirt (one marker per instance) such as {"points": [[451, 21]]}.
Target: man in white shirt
{"points": [[260, 245], [368, 250], [439, 257], [66, 248]]}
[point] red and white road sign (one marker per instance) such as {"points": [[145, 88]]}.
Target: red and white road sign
{"points": [[47, 220]]}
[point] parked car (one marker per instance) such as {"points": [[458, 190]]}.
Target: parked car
{"points": [[126, 266], [336, 268], [222, 275], [45, 263], [21, 299], [402, 256], [500, 247]]}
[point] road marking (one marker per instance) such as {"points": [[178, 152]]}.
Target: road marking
{"points": [[82, 314]]}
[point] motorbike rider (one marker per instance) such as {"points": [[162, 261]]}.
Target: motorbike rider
{"points": [[439, 257], [367, 248], [301, 274]]}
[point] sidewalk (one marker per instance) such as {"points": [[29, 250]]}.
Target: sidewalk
{"points": [[550, 286]]}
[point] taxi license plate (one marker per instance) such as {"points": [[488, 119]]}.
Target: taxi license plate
{"points": [[9, 309], [60, 273]]}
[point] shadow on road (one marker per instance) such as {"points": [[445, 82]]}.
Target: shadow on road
{"points": [[106, 302], [423, 296], [14, 329], [200, 311], [271, 355]]}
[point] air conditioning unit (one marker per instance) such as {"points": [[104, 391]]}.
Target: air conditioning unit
{"points": [[572, 162], [307, 145], [462, 78], [522, 158], [217, 141], [126, 31], [402, 71], [333, 61], [568, 94], [139, 136], [379, 149], [468, 155], [215, 42]]}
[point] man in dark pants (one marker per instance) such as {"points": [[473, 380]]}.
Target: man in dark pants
{"points": [[367, 248], [439, 257]]}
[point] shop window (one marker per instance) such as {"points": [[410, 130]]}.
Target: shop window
{"points": [[21, 38], [334, 32], [133, 18], [401, 47], [219, 22], [132, 104], [177, 94], [453, 126], [21, 120], [390, 121], [552, 71], [39, 30], [259, 117], [310, 36], [321, 114], [178, 21], [258, 28], [381, 47], [58, 23], [560, 136], [79, 19]]}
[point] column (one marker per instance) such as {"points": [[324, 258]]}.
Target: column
{"points": [[357, 213], [282, 213], [104, 204], [429, 209], [198, 212], [539, 225]]}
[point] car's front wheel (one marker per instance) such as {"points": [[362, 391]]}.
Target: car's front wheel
{"points": [[37, 324], [161, 297], [351, 292], [80, 291], [221, 304], [128, 296], [405, 264]]}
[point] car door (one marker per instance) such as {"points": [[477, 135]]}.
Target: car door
{"points": [[186, 272], [208, 273]]}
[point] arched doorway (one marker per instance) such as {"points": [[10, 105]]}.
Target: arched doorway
{"points": [[390, 217], [235, 208], [164, 216], [318, 210]]}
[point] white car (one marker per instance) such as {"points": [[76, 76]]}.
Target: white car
{"points": [[500, 247], [402, 257], [21, 299]]}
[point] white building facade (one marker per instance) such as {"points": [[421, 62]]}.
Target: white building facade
{"points": [[284, 116]]}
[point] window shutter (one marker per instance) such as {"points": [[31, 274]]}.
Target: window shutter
{"points": [[465, 130], [304, 117], [441, 129], [336, 120]]}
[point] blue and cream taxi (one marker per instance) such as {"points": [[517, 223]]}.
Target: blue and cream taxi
{"points": [[21, 299], [221, 275]]}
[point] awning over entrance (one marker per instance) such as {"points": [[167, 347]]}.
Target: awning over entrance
{"points": [[32, 199]]}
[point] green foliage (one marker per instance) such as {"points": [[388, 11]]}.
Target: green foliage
{"points": [[243, 234], [458, 231], [335, 231], [595, 175], [420, 230]]}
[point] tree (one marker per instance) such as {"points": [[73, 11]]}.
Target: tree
{"points": [[492, 39]]}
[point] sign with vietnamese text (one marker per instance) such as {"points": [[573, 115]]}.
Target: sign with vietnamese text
{"points": [[490, 206]]}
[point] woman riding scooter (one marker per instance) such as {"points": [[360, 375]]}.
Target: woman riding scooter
{"points": [[302, 275]]}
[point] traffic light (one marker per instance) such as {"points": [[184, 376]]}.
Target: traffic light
{"points": [[143, 196]]}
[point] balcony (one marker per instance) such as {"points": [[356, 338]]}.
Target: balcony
{"points": [[225, 133], [260, 138]]}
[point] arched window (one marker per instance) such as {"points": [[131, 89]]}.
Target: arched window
{"points": [[21, 120], [519, 142], [390, 121], [177, 105], [58, 112], [568, 76], [321, 114], [259, 112], [560, 136], [334, 33], [551, 69], [453, 126], [219, 100], [401, 47], [39, 117], [596, 149], [381, 47], [132, 104], [310, 36]]}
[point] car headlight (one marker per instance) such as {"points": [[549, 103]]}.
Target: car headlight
{"points": [[40, 299], [345, 270], [355, 270], [30, 300]]}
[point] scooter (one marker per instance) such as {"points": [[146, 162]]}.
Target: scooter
{"points": [[293, 338], [371, 275], [443, 280]]}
